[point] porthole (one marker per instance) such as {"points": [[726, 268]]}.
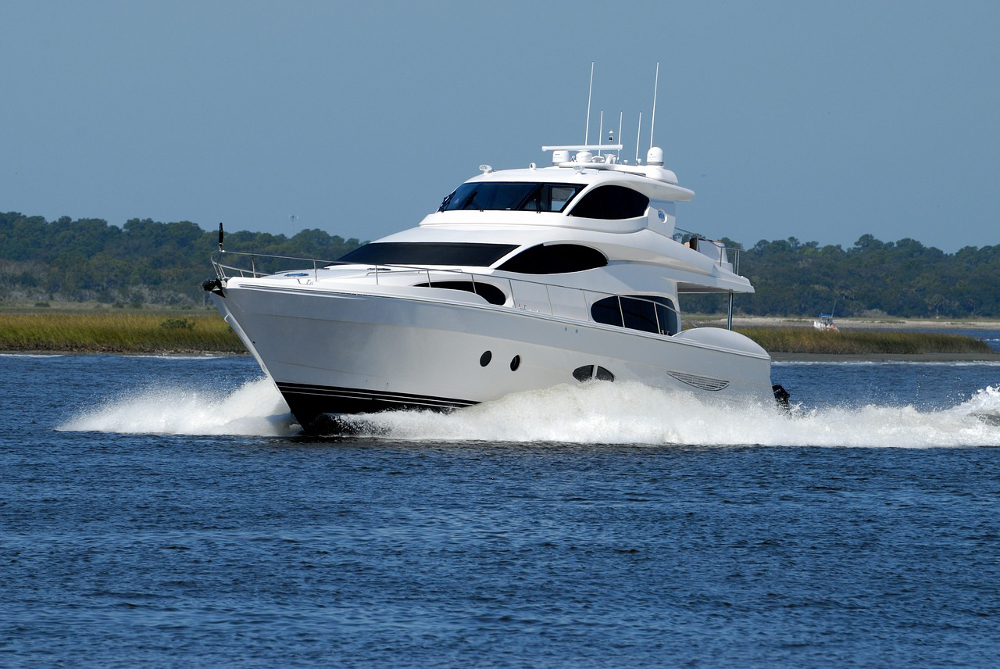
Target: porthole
{"points": [[588, 372], [515, 363], [485, 358]]}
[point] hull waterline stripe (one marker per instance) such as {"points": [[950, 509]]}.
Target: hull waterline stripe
{"points": [[361, 394]]}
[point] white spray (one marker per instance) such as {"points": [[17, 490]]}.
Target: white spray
{"points": [[593, 413]]}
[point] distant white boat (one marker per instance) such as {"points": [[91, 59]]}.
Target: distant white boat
{"points": [[824, 322]]}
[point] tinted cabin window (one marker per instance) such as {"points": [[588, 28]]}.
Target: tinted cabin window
{"points": [[669, 322], [550, 197], [611, 202], [426, 253], [639, 315], [648, 314], [510, 196], [489, 292], [607, 311], [555, 259]]}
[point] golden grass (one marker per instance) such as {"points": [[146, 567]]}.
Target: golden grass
{"points": [[137, 332], [122, 332], [861, 342]]}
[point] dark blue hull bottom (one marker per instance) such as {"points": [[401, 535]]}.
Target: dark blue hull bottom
{"points": [[316, 407]]}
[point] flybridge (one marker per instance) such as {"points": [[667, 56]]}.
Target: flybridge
{"points": [[584, 158]]}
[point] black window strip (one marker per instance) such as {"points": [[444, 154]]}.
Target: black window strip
{"points": [[429, 253]]}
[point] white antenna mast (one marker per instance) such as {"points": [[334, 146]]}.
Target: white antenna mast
{"points": [[656, 81], [586, 134], [638, 135], [618, 155], [600, 133]]}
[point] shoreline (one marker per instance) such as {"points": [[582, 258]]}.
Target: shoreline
{"points": [[886, 357], [888, 323], [131, 354], [786, 339], [775, 357]]}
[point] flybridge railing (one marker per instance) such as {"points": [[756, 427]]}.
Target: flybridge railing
{"points": [[726, 257], [718, 252], [533, 296]]}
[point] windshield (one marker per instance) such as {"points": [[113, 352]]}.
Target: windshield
{"points": [[511, 196]]}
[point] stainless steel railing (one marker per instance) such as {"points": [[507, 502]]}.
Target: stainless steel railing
{"points": [[523, 294], [719, 253], [727, 257]]}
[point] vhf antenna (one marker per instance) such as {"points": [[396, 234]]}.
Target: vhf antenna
{"points": [[618, 154], [586, 134], [638, 135], [600, 133], [656, 80]]}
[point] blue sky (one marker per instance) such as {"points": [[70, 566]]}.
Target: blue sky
{"points": [[822, 121]]}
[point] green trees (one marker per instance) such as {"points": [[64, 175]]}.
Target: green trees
{"points": [[903, 278], [164, 263], [143, 261]]}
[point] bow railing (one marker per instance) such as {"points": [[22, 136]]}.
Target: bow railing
{"points": [[629, 311]]}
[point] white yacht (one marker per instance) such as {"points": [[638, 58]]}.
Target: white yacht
{"points": [[523, 279]]}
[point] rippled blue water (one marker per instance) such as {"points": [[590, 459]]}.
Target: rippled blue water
{"points": [[162, 511]]}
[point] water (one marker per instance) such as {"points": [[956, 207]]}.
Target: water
{"points": [[166, 511]]}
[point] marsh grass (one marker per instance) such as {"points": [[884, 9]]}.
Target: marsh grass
{"points": [[136, 332], [861, 342], [123, 332]]}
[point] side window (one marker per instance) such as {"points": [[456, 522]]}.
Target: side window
{"points": [[488, 292], [667, 317], [648, 314], [550, 197], [561, 195], [639, 314], [555, 259], [611, 203], [606, 311]]}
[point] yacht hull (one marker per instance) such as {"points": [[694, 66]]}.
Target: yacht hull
{"points": [[335, 352]]}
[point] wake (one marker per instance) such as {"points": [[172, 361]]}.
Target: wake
{"points": [[254, 409], [593, 413], [623, 413]]}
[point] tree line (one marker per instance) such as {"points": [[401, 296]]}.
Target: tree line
{"points": [[146, 261], [871, 278]]}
